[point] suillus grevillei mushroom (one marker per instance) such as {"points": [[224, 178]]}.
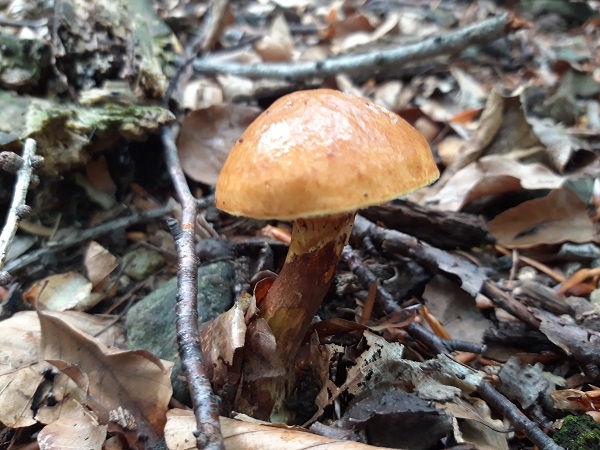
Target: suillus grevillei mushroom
{"points": [[315, 157]]}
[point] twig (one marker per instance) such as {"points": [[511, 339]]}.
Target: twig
{"points": [[519, 421], [86, 235], [509, 304], [204, 402], [447, 366], [449, 43], [18, 208]]}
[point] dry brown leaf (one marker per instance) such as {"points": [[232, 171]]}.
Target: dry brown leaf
{"points": [[559, 217], [455, 309], [243, 435], [78, 429], [99, 263], [17, 388], [477, 427], [503, 128], [278, 44], [22, 373], [130, 388], [223, 361], [493, 174], [359, 39], [65, 291], [472, 93], [564, 151], [207, 136], [450, 149]]}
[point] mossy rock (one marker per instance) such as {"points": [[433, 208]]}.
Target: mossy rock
{"points": [[578, 433]]}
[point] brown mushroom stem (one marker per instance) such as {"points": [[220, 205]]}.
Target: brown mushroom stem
{"points": [[297, 293]]}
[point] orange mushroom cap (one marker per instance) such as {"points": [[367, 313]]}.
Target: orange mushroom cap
{"points": [[320, 152]]}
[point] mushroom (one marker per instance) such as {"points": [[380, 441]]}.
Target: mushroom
{"points": [[315, 157]]}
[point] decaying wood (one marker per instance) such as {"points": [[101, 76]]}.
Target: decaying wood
{"points": [[535, 294], [442, 229]]}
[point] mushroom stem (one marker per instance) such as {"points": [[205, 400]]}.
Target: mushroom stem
{"points": [[297, 293]]}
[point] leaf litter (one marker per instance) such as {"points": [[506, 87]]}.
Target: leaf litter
{"points": [[515, 126]]}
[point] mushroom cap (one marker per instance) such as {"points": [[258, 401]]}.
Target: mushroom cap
{"points": [[320, 152]]}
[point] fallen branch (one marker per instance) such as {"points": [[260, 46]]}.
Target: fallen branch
{"points": [[517, 419], [204, 401], [447, 365], [18, 208], [448, 43], [208, 434]]}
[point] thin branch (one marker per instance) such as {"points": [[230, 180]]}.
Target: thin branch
{"points": [[208, 433], [448, 43], [474, 380], [518, 420], [18, 206], [86, 235], [204, 401], [473, 278]]}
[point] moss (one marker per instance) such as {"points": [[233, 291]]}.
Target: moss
{"points": [[578, 433]]}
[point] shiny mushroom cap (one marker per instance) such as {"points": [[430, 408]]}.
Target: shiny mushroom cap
{"points": [[320, 152]]}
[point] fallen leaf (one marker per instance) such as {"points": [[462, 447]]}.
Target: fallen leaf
{"points": [[23, 372], [99, 263], [77, 429], [560, 216], [207, 136], [455, 309], [565, 152], [278, 44], [133, 384], [181, 424], [492, 175]]}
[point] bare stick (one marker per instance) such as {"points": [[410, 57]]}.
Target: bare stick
{"points": [[18, 208], [519, 421], [449, 43], [448, 366], [208, 433], [204, 401], [473, 278]]}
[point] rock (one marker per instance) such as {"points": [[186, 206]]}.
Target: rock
{"points": [[150, 323], [142, 262]]}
